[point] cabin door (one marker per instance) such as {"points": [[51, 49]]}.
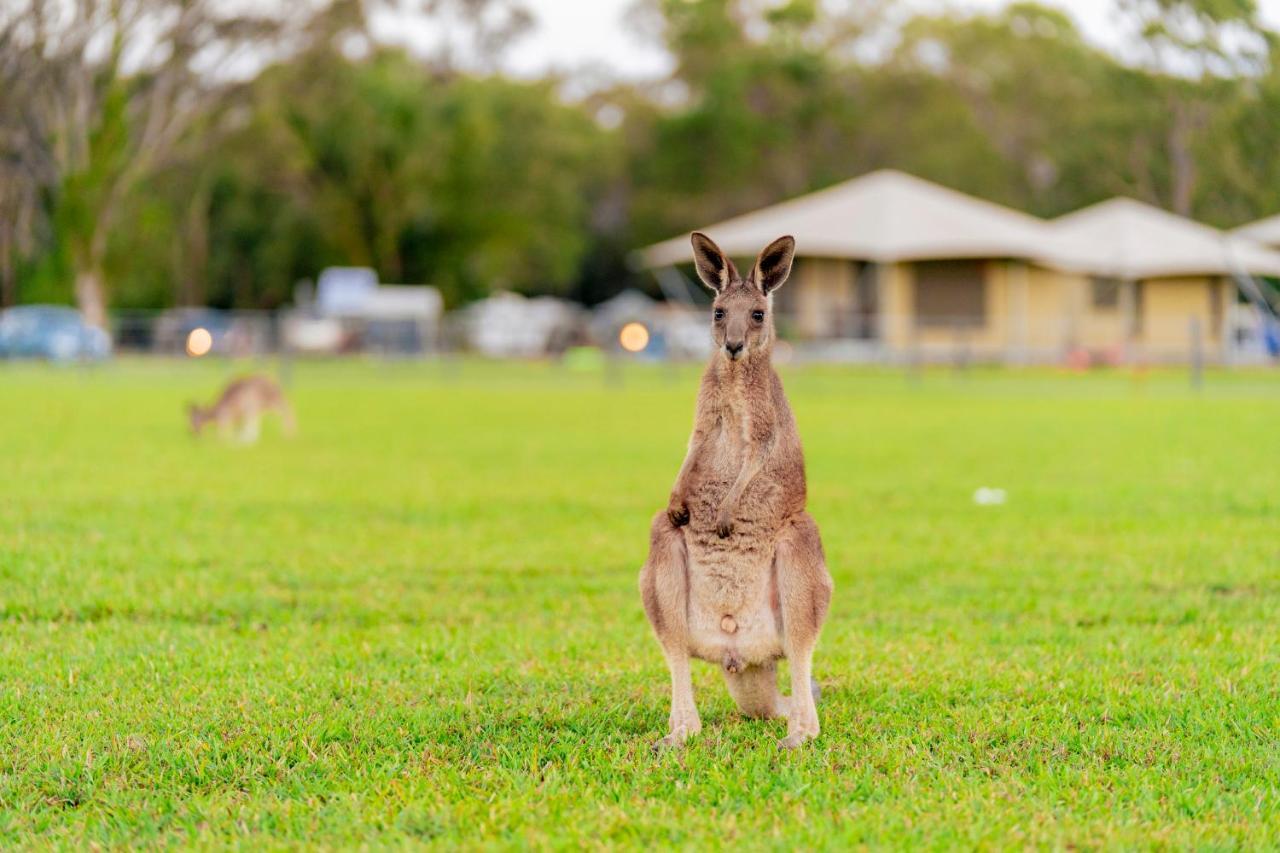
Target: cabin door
{"points": [[865, 312]]}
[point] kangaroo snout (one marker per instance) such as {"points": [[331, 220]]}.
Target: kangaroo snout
{"points": [[734, 350]]}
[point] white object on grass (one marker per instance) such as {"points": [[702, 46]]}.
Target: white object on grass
{"points": [[986, 496]]}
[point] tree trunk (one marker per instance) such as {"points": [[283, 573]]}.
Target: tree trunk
{"points": [[8, 283], [1182, 163], [91, 288], [91, 296], [191, 251]]}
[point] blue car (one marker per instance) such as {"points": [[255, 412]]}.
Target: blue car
{"points": [[53, 332]]}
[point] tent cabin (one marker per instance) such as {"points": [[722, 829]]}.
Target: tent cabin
{"points": [[1145, 277], [1264, 231], [909, 267], [898, 262]]}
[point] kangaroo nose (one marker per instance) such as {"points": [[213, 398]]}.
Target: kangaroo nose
{"points": [[734, 349]]}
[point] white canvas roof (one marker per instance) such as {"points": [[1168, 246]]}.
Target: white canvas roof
{"points": [[881, 216], [1129, 239], [1264, 231]]}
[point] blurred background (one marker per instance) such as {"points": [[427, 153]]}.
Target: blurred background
{"points": [[1030, 343], [1072, 183]]}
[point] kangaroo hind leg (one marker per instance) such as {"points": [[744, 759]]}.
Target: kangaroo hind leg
{"points": [[664, 588], [804, 594], [250, 427]]}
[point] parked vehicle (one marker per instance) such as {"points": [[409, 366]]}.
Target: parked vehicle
{"points": [[385, 318], [55, 332], [508, 325]]}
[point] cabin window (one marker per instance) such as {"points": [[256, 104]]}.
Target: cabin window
{"points": [[866, 300], [950, 294], [1216, 295], [1104, 292]]}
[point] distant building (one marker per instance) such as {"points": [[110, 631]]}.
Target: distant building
{"points": [[351, 308], [343, 291], [890, 260], [1148, 274], [905, 268], [510, 325], [1265, 231]]}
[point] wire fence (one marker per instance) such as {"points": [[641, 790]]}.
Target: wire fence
{"points": [[637, 327], [660, 331]]}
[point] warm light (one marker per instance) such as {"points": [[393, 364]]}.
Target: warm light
{"points": [[199, 342], [634, 337]]}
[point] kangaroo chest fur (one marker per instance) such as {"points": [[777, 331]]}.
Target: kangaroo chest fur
{"points": [[733, 601]]}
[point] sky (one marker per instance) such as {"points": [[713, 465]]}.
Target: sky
{"points": [[571, 34]]}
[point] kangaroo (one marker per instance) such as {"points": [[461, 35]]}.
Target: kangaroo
{"points": [[241, 407], [735, 573]]}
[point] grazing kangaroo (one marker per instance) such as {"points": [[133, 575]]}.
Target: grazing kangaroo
{"points": [[735, 573], [241, 406]]}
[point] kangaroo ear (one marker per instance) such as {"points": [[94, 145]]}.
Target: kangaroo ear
{"points": [[714, 267], [774, 264]]}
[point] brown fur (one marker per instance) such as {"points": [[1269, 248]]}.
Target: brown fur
{"points": [[735, 540], [241, 406]]}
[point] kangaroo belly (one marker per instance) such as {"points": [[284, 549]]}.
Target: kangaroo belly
{"points": [[733, 614]]}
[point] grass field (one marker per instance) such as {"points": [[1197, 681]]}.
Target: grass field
{"points": [[418, 621]]}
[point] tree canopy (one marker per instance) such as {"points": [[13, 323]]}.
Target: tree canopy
{"points": [[142, 172]]}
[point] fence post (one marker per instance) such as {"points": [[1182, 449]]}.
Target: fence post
{"points": [[960, 347], [1197, 355], [613, 368], [913, 353]]}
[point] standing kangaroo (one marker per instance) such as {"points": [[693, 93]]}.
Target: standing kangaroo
{"points": [[241, 406], [735, 573]]}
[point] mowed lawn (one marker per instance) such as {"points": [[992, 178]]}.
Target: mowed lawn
{"points": [[418, 621]]}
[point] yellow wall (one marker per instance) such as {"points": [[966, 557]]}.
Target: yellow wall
{"points": [[895, 300], [822, 294], [1169, 304], [1052, 312], [1007, 286], [1097, 329], [1165, 306], [1032, 313]]}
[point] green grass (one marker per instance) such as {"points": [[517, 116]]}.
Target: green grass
{"points": [[418, 621]]}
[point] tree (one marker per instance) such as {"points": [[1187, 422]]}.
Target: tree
{"points": [[116, 83], [765, 111], [1033, 90], [1196, 53], [387, 162]]}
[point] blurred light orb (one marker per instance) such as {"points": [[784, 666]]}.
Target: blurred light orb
{"points": [[634, 337], [199, 342]]}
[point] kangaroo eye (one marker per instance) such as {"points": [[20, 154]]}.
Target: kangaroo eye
{"points": [[758, 316], [719, 313]]}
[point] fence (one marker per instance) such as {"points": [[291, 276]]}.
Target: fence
{"points": [[671, 333], [239, 334]]}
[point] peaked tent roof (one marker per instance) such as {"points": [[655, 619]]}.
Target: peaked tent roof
{"points": [[1264, 231], [1130, 239], [881, 216]]}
